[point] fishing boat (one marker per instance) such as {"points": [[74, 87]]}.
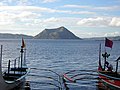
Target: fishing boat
{"points": [[109, 78], [14, 76]]}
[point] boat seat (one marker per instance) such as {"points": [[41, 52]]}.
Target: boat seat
{"points": [[12, 73], [19, 69]]}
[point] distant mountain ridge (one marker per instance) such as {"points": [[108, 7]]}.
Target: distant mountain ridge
{"points": [[14, 36], [103, 38], [56, 33]]}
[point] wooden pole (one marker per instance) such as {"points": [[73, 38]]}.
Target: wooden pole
{"points": [[21, 56], [14, 65], [24, 56], [100, 65], [1, 59], [116, 67], [8, 67], [117, 64], [105, 55]]}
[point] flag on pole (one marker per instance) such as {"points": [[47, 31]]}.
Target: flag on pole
{"points": [[23, 43], [108, 43]]}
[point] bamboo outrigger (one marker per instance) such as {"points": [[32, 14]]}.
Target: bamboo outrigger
{"points": [[14, 76]]}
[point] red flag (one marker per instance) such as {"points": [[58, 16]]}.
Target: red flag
{"points": [[23, 43], [108, 43]]}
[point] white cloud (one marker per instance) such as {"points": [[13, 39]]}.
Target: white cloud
{"points": [[49, 1], [76, 6], [94, 22], [15, 9], [22, 2], [7, 18], [51, 20], [115, 22], [80, 12], [26, 8], [100, 22], [75, 12], [112, 8], [112, 34], [29, 15], [16, 2]]}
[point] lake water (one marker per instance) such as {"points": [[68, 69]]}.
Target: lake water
{"points": [[60, 56]]}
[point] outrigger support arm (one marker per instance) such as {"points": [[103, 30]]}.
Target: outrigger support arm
{"points": [[117, 64]]}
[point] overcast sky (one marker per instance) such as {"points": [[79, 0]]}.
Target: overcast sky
{"points": [[85, 18]]}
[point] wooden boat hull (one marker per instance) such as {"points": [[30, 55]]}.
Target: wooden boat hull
{"points": [[109, 81], [109, 78], [15, 75], [8, 85]]}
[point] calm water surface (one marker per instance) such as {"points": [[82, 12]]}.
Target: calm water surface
{"points": [[59, 56]]}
